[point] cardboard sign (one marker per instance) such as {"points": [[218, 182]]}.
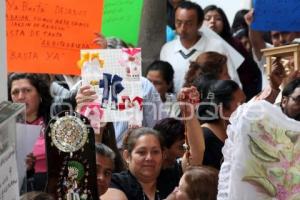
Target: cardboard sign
{"points": [[9, 188], [115, 75], [10, 180], [279, 15], [121, 19], [46, 36]]}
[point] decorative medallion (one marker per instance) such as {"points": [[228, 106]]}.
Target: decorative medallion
{"points": [[71, 157], [69, 133]]}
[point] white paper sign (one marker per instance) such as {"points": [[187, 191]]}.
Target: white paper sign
{"points": [[26, 137]]}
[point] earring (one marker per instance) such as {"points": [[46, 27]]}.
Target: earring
{"points": [[41, 100]]}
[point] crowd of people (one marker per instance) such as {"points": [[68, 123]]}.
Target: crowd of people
{"points": [[197, 87]]}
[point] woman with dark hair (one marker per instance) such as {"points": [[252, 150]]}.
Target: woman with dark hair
{"points": [[239, 20], [249, 73], [143, 150], [33, 90], [144, 156], [220, 101], [240, 29], [215, 18], [197, 183], [161, 74]]}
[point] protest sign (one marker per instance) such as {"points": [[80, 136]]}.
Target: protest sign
{"points": [[9, 188], [121, 19], [10, 182], [279, 15], [46, 36]]}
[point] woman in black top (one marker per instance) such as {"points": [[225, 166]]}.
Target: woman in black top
{"points": [[220, 100], [143, 152], [144, 157]]}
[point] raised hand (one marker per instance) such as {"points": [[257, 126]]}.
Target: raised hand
{"points": [[85, 95], [277, 74], [189, 98]]}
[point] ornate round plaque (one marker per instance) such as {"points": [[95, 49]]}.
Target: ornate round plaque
{"points": [[69, 133]]}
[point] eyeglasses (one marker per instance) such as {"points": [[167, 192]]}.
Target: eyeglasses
{"points": [[296, 99]]}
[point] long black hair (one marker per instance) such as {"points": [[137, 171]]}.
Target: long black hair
{"points": [[239, 21], [226, 32]]}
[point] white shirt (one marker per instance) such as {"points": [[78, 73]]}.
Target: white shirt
{"points": [[170, 53]]}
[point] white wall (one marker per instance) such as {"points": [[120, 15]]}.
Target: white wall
{"points": [[230, 7], [3, 70]]}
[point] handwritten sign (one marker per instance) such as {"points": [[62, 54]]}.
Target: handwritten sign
{"points": [[46, 36], [279, 15], [9, 170], [9, 188], [121, 19]]}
